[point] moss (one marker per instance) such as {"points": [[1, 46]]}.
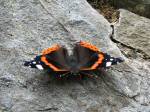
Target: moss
{"points": [[106, 9]]}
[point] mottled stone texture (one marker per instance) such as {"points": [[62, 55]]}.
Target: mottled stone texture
{"points": [[134, 31], [28, 26], [132, 34]]}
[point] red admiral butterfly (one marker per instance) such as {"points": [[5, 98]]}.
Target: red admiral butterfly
{"points": [[86, 57]]}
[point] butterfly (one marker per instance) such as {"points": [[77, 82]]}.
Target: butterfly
{"points": [[85, 58]]}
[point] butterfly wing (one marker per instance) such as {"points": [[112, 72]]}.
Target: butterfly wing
{"points": [[54, 58], [88, 56]]}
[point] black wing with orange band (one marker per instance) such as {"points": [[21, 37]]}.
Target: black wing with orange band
{"points": [[53, 59], [88, 56]]}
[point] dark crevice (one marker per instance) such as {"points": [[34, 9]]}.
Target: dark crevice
{"points": [[134, 50], [48, 109], [134, 97]]}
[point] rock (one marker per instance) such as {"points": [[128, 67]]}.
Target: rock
{"points": [[27, 27], [132, 34], [134, 31]]}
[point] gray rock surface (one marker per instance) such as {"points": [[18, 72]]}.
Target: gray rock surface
{"points": [[134, 31], [133, 38], [27, 27]]}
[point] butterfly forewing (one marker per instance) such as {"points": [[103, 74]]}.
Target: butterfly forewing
{"points": [[88, 56], [56, 59]]}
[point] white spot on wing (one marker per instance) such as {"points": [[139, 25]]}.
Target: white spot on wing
{"points": [[111, 59], [39, 67], [34, 62], [108, 64]]}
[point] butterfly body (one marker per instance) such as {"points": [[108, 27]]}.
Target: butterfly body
{"points": [[85, 58]]}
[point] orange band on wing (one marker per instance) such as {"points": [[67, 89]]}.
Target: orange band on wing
{"points": [[47, 51], [99, 61], [51, 49], [43, 59], [89, 46]]}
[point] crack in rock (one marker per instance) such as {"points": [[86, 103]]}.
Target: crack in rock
{"points": [[135, 50], [48, 109]]}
